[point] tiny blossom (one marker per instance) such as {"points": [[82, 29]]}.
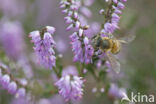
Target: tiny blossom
{"points": [[115, 1], [99, 63], [106, 0], [108, 28], [68, 19], [70, 27], [77, 24], [94, 90], [102, 11], [117, 11], [115, 18], [120, 5], [50, 29], [80, 32], [5, 81], [44, 47], [102, 90], [12, 87], [21, 92], [89, 51], [84, 71], [70, 87]]}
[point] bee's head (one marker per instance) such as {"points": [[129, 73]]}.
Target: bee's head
{"points": [[98, 42]]}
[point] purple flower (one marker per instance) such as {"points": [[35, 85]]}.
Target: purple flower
{"points": [[12, 87], [108, 28], [89, 51], [20, 92], [121, 5], [5, 81], [115, 1], [102, 11], [50, 29], [117, 11], [99, 63], [68, 19], [44, 47], [80, 55], [70, 87], [115, 18]]}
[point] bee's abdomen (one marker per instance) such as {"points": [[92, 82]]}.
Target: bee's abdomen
{"points": [[115, 47]]}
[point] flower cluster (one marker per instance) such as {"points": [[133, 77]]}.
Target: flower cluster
{"points": [[44, 44], [11, 84], [70, 85], [78, 50], [112, 24], [82, 51]]}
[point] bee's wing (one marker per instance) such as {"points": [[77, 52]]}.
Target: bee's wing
{"points": [[127, 39], [115, 64]]}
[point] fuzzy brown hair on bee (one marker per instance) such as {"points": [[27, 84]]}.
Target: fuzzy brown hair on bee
{"points": [[107, 44]]}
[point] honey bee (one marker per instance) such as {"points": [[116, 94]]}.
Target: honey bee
{"points": [[111, 46]]}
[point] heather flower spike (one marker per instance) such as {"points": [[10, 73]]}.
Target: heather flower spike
{"points": [[111, 26], [12, 87], [70, 87], [8, 82], [44, 46], [82, 52]]}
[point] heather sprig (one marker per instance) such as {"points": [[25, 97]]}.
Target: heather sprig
{"points": [[70, 85], [82, 51], [10, 83], [44, 46], [112, 17]]}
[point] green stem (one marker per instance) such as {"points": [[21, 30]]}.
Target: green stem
{"points": [[56, 72]]}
